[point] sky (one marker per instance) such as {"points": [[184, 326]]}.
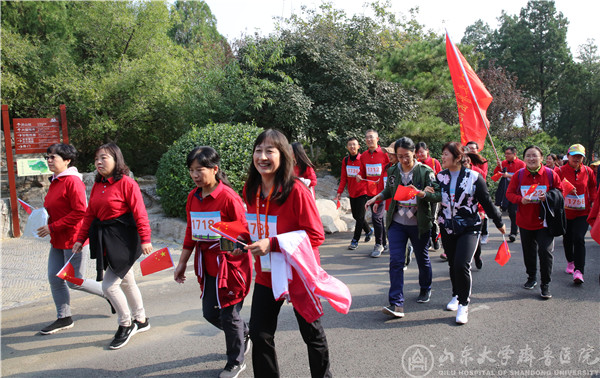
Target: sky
{"points": [[237, 17]]}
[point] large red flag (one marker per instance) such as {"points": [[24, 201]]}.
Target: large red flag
{"points": [[157, 261], [472, 98], [67, 273], [503, 254], [404, 193]]}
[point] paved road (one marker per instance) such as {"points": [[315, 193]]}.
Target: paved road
{"points": [[511, 331]]}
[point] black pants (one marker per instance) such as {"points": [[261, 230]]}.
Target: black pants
{"points": [[263, 324], [574, 241], [512, 214], [227, 319], [357, 205], [537, 243], [460, 250], [378, 219]]}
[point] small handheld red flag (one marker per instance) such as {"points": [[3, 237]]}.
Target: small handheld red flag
{"points": [[67, 273], [157, 261], [404, 193], [567, 187], [28, 208], [231, 230], [337, 204], [496, 176], [595, 231], [503, 254], [530, 190]]}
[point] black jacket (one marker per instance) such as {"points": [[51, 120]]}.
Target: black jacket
{"points": [[115, 243]]}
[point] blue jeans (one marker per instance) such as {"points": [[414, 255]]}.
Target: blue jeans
{"points": [[398, 235], [59, 287]]}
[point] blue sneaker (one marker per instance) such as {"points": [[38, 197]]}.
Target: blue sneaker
{"points": [[368, 236], [353, 244]]}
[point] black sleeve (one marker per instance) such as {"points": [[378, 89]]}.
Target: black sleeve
{"points": [[483, 197]]}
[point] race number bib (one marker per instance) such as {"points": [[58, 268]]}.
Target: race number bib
{"points": [[409, 203], [201, 220], [535, 196], [253, 227], [352, 171], [373, 170], [574, 202]]}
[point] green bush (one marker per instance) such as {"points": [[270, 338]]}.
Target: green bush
{"points": [[234, 145]]}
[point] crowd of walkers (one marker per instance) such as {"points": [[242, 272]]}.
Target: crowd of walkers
{"points": [[448, 208]]}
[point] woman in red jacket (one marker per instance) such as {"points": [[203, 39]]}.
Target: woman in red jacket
{"points": [[224, 278], [278, 203], [577, 208], [116, 223], [304, 169], [536, 240], [66, 205]]}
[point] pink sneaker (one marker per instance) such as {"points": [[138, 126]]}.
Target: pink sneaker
{"points": [[570, 267], [577, 277]]}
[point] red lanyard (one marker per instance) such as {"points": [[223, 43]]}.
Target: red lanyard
{"points": [[259, 230]]}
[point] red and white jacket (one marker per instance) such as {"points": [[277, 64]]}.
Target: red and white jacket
{"points": [[584, 181], [350, 168]]}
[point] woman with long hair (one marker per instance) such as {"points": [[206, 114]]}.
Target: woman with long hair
{"points": [[304, 168], [66, 204], [462, 190], [279, 203], [117, 225]]}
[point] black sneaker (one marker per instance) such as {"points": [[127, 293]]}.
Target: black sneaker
{"points": [[142, 327], [122, 336], [247, 344], [546, 292], [368, 236], [478, 263], [530, 284], [424, 296], [232, 371], [512, 237], [58, 325]]}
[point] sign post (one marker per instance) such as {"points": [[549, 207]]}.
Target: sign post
{"points": [[32, 135]]}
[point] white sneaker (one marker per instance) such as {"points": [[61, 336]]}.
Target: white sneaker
{"points": [[484, 239], [377, 250], [453, 304], [462, 316]]}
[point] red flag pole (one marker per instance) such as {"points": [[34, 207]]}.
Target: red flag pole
{"points": [[472, 94]]}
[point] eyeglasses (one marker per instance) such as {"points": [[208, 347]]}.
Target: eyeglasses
{"points": [[402, 157]]}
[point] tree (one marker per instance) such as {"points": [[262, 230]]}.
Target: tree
{"points": [[534, 47], [579, 101]]}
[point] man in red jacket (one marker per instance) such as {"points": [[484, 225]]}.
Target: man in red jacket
{"points": [[357, 192], [372, 163], [508, 168], [578, 203]]}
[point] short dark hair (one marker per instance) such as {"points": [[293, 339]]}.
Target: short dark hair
{"points": [[65, 151], [207, 157], [121, 169], [351, 139], [473, 142], [512, 149], [422, 145], [535, 148], [457, 151], [406, 143]]}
